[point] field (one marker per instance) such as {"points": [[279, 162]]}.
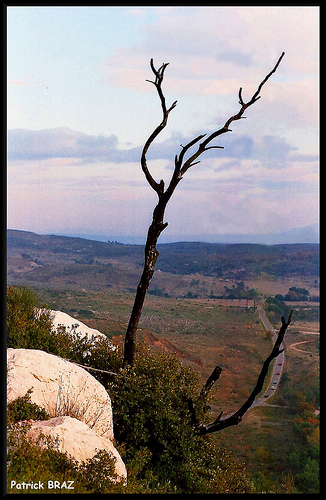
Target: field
{"points": [[182, 315], [202, 333], [206, 332]]}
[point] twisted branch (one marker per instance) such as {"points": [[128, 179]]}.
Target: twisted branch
{"points": [[218, 424], [159, 74], [203, 146]]}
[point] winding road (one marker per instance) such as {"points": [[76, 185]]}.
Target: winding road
{"points": [[278, 366]]}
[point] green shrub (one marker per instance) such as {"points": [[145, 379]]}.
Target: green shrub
{"points": [[28, 323], [29, 326], [23, 408], [97, 474], [86, 313], [152, 424], [29, 461], [26, 460], [152, 420]]}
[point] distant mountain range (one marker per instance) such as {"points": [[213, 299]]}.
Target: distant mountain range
{"points": [[307, 234]]}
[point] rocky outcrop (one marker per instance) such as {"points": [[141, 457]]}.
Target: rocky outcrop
{"points": [[73, 326], [79, 405], [60, 387], [77, 440]]}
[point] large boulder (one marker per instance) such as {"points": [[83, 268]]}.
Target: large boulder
{"points": [[60, 387], [77, 439]]}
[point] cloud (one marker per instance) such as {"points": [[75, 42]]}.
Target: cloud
{"points": [[273, 152], [236, 57], [237, 190], [228, 38], [63, 143], [77, 147], [213, 51], [238, 146]]}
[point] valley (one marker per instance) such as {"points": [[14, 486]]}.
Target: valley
{"points": [[187, 312]]}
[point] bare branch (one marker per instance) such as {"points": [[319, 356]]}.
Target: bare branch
{"points": [[267, 77], [214, 147], [180, 167], [94, 369], [179, 160], [203, 146], [240, 97], [159, 74], [215, 375], [236, 417]]}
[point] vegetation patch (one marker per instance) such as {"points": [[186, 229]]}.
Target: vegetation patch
{"points": [[153, 430]]}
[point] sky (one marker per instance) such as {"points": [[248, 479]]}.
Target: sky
{"points": [[80, 110]]}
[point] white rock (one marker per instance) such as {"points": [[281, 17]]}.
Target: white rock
{"points": [[77, 439], [60, 387], [72, 325]]}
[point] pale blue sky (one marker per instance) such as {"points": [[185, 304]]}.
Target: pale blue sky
{"points": [[79, 111]]}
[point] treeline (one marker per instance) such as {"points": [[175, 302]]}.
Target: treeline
{"points": [[239, 261], [278, 308], [238, 291], [296, 294]]}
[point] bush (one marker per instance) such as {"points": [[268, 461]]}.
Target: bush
{"points": [[276, 309], [31, 461], [29, 326], [152, 421], [153, 429], [23, 408], [28, 323], [27, 460]]}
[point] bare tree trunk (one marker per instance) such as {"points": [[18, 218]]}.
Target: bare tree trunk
{"points": [[181, 165], [151, 255]]}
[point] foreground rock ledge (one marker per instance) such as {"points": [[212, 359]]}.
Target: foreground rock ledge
{"points": [[60, 387], [77, 439], [79, 405]]}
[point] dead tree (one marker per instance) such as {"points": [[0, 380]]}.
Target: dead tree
{"points": [[188, 157], [219, 424]]}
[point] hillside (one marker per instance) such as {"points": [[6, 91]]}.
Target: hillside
{"points": [[94, 282], [64, 261], [240, 261]]}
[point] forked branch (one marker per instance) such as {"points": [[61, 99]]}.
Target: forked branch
{"points": [[159, 74], [202, 147], [218, 424], [181, 165]]}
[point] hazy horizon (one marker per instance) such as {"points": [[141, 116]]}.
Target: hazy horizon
{"points": [[308, 234]]}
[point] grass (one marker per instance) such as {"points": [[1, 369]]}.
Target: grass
{"points": [[207, 333], [204, 331]]}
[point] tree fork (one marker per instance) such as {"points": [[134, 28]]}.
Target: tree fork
{"points": [[181, 165]]}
